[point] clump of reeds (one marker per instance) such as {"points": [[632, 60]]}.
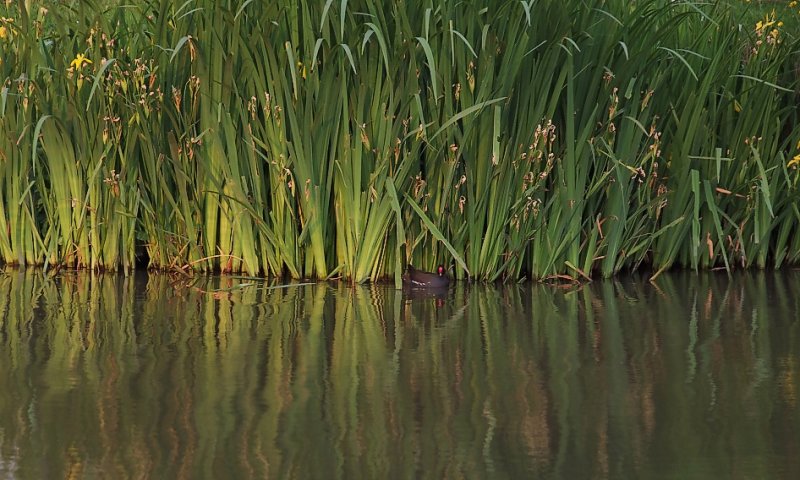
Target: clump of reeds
{"points": [[347, 139]]}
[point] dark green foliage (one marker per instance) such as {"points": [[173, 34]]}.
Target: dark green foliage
{"points": [[350, 138]]}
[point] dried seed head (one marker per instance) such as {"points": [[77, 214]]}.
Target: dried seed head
{"points": [[419, 185]]}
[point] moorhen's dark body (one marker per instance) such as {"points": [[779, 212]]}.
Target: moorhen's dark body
{"points": [[422, 279]]}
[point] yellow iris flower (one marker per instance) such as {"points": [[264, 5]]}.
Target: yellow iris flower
{"points": [[80, 59]]}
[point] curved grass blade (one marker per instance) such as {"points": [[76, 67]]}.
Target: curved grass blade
{"points": [[97, 79], [436, 232]]}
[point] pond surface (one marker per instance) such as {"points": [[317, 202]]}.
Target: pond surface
{"points": [[153, 377]]}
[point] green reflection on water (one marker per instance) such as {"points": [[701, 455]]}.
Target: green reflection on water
{"points": [[693, 376]]}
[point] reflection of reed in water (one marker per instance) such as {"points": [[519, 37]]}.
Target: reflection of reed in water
{"points": [[133, 379]]}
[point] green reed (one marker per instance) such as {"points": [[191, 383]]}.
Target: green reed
{"points": [[347, 139]]}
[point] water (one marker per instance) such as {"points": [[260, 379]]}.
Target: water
{"points": [[690, 377]]}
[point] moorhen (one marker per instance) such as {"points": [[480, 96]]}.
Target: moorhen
{"points": [[421, 279]]}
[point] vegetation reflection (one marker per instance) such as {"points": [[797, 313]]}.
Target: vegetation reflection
{"points": [[143, 377]]}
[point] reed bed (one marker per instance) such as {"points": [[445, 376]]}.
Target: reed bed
{"points": [[347, 139]]}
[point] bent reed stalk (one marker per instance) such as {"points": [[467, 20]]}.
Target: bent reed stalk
{"points": [[347, 139]]}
